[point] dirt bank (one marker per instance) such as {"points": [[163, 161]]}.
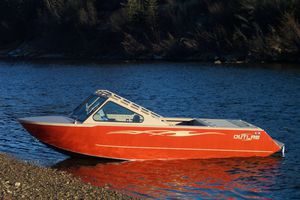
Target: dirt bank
{"points": [[27, 181]]}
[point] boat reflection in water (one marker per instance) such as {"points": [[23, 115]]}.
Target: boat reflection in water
{"points": [[249, 178]]}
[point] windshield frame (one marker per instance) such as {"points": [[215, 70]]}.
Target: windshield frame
{"points": [[92, 111]]}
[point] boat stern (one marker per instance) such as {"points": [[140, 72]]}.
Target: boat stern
{"points": [[281, 146]]}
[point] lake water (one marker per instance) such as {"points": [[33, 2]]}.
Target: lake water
{"points": [[267, 96]]}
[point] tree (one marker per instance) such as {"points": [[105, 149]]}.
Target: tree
{"points": [[134, 10], [151, 12]]}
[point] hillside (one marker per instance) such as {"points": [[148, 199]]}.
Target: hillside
{"points": [[205, 30]]}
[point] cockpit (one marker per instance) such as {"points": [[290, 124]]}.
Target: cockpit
{"points": [[105, 106]]}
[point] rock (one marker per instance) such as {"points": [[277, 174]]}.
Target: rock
{"points": [[218, 62], [17, 184]]}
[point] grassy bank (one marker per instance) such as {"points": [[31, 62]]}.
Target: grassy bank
{"points": [[234, 30], [19, 180]]}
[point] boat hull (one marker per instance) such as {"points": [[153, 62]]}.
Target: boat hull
{"points": [[153, 143]]}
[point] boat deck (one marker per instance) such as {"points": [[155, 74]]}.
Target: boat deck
{"points": [[226, 123]]}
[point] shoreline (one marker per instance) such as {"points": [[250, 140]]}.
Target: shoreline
{"points": [[84, 60], [19, 179]]}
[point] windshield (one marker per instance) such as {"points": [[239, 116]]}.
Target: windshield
{"points": [[84, 110], [113, 112]]}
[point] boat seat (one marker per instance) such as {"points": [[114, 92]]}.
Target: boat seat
{"points": [[194, 122], [136, 119]]}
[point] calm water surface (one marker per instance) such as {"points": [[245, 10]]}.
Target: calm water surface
{"points": [[268, 96]]}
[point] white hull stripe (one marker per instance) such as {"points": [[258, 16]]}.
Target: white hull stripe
{"points": [[184, 149]]}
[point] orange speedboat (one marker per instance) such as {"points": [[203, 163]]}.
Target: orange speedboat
{"points": [[109, 126]]}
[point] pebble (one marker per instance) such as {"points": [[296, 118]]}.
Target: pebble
{"points": [[17, 184]]}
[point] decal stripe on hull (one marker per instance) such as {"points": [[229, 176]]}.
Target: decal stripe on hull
{"points": [[185, 149]]}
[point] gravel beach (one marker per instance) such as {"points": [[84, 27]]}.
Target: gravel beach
{"points": [[21, 180]]}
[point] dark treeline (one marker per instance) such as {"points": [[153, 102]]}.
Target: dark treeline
{"points": [[231, 30]]}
